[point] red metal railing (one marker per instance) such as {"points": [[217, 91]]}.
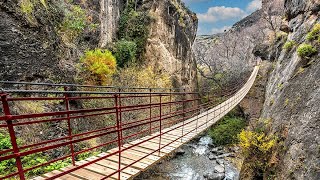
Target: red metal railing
{"points": [[122, 115]]}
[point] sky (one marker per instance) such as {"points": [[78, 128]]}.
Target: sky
{"points": [[215, 16]]}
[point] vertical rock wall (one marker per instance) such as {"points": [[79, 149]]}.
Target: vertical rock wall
{"points": [[169, 46], [109, 17], [293, 98]]}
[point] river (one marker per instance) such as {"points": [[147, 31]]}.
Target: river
{"points": [[196, 160]]}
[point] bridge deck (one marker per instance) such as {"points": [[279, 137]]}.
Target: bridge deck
{"points": [[138, 158]]}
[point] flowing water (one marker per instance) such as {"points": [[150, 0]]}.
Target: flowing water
{"points": [[192, 165]]}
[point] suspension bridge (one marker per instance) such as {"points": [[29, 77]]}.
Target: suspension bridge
{"points": [[140, 127]]}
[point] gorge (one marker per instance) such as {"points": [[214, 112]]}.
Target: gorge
{"points": [[154, 43]]}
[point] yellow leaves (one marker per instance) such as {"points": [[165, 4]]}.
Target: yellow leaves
{"points": [[26, 6], [135, 76], [101, 65], [27, 107], [245, 138], [254, 141]]}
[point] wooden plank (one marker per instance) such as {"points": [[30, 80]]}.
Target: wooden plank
{"points": [[96, 168], [142, 145], [171, 138], [126, 161], [85, 174], [165, 142], [38, 178], [155, 146], [144, 148], [128, 154], [114, 165], [168, 145], [139, 150], [64, 177]]}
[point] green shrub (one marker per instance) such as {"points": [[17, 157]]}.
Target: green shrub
{"points": [[75, 19], [9, 166], [226, 131], [306, 50], [133, 26], [281, 36], [125, 52], [218, 76], [289, 45], [314, 34], [100, 64], [26, 7], [74, 23]]}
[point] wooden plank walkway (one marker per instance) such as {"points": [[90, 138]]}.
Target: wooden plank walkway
{"points": [[137, 157]]}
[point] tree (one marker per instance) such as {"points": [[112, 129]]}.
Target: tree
{"points": [[227, 58]]}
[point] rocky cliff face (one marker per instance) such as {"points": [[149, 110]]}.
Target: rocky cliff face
{"points": [[169, 46], [26, 49], [289, 94], [34, 49], [293, 97], [109, 18]]}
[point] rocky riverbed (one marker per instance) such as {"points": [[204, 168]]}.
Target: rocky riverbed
{"points": [[197, 160]]}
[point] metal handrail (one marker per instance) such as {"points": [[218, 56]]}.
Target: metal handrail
{"points": [[175, 110]]}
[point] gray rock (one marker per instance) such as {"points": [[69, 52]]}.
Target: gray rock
{"points": [[212, 157], [219, 169], [180, 152], [296, 7], [220, 162], [214, 150], [211, 145], [220, 148], [285, 28], [214, 176], [234, 149], [220, 153], [226, 155]]}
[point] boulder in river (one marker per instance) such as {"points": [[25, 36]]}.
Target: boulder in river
{"points": [[180, 152], [226, 155], [219, 169], [220, 153], [214, 150], [212, 157], [214, 176], [220, 162]]}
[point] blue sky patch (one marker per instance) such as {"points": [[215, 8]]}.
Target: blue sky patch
{"points": [[215, 16]]}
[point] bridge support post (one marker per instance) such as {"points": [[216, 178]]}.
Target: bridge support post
{"points": [[119, 131], [170, 100], [209, 105], [160, 109], [66, 100], [207, 117], [183, 112], [150, 112], [6, 110], [120, 115], [198, 109], [209, 101]]}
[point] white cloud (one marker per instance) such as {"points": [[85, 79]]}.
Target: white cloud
{"points": [[194, 1], [254, 5], [220, 30], [218, 13]]}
